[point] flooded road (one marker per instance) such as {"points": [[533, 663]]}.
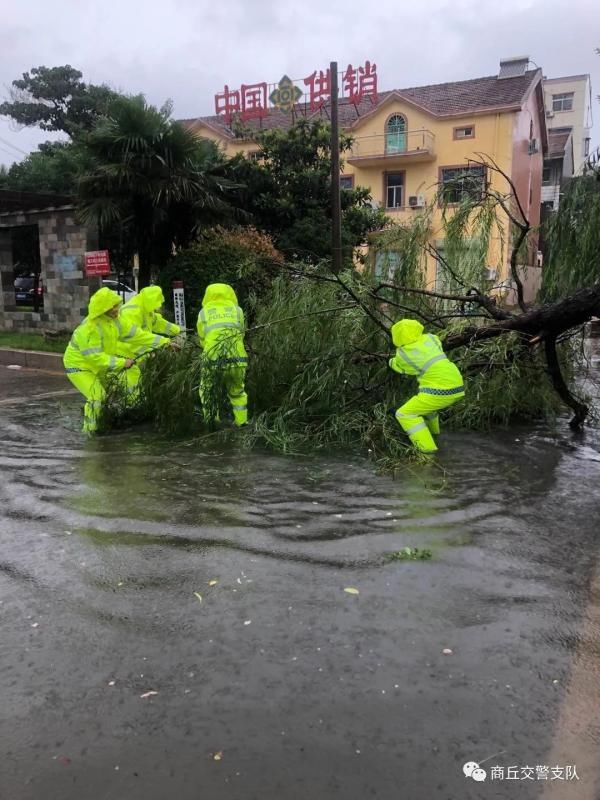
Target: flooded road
{"points": [[214, 579]]}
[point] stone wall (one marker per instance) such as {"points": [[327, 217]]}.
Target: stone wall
{"points": [[63, 243]]}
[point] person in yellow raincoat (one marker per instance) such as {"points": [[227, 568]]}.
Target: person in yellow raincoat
{"points": [[144, 329], [221, 329], [95, 353], [440, 382]]}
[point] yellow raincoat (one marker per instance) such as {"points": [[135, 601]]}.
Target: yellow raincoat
{"points": [[221, 329], [94, 353], [143, 328], [440, 382]]}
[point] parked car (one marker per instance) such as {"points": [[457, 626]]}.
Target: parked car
{"points": [[25, 290], [125, 291]]}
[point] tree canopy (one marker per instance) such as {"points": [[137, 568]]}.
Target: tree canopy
{"points": [[152, 179], [287, 190], [57, 99]]}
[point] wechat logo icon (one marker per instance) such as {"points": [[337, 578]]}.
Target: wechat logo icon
{"points": [[472, 770]]}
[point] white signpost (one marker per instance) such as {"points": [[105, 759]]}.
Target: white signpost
{"points": [[179, 305]]}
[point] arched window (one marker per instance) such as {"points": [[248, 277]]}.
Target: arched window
{"points": [[395, 134]]}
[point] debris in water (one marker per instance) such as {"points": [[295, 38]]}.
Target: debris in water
{"points": [[111, 683], [212, 583], [218, 756], [351, 590], [446, 651], [247, 622], [409, 554], [34, 624], [198, 595], [151, 693], [13, 366]]}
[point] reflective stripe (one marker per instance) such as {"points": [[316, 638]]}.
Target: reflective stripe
{"points": [[399, 415], [90, 351], [402, 354], [415, 428], [74, 345], [202, 315], [74, 369], [239, 408], [133, 305], [118, 323], [434, 360], [171, 329], [216, 325], [156, 341], [131, 333], [112, 363], [428, 390], [423, 369], [237, 360]]}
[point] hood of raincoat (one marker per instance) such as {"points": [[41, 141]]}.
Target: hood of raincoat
{"points": [[219, 293], [102, 301], [406, 331], [152, 298]]}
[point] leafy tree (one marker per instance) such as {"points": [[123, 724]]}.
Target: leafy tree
{"points": [[54, 167], [242, 257], [288, 193], [573, 235], [57, 99], [152, 180]]}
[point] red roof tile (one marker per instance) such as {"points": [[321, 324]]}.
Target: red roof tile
{"points": [[442, 99]]}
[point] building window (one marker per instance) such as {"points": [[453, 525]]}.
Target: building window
{"points": [[562, 102], [395, 134], [547, 176], [255, 155], [387, 262], [346, 181], [461, 182], [586, 146], [467, 132], [394, 189]]}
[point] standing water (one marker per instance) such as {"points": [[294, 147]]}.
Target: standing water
{"points": [[175, 622]]}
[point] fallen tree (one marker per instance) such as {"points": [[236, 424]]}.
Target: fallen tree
{"points": [[319, 342]]}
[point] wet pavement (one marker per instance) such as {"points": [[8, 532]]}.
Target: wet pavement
{"points": [[273, 682]]}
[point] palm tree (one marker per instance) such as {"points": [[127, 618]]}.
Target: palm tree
{"points": [[152, 179]]}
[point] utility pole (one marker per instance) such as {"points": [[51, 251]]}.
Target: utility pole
{"points": [[336, 211]]}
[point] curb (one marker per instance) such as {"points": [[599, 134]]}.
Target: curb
{"points": [[33, 359]]}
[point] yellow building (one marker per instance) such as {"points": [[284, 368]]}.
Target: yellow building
{"points": [[408, 141]]}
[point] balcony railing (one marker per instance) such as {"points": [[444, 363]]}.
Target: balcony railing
{"points": [[393, 148]]}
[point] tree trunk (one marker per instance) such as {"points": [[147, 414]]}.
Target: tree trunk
{"points": [[545, 322]]}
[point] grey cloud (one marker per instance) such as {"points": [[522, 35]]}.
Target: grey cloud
{"points": [[188, 49]]}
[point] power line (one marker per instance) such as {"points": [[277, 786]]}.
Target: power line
{"points": [[13, 146]]}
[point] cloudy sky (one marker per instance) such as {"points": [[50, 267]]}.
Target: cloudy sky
{"points": [[188, 49]]}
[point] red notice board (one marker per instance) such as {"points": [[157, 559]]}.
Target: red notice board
{"points": [[97, 262]]}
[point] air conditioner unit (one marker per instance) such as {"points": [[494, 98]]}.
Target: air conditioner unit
{"points": [[490, 274], [533, 147], [416, 201], [549, 114]]}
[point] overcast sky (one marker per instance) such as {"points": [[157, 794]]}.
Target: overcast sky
{"points": [[188, 49]]}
